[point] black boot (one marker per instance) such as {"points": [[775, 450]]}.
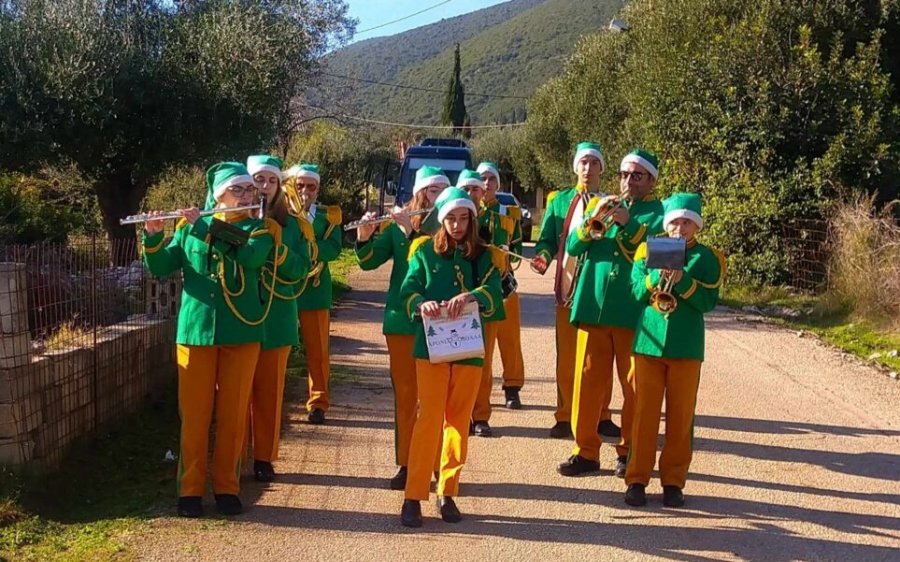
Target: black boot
{"points": [[398, 482], [607, 428], [190, 506], [621, 465], [317, 416], [577, 465], [228, 504], [562, 430], [636, 496], [482, 429], [263, 471], [411, 513], [673, 496], [449, 512], [512, 398]]}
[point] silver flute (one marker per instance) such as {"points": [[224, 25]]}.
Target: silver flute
{"points": [[144, 217], [383, 218]]}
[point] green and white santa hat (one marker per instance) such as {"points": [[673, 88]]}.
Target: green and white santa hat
{"points": [[469, 178], [645, 159], [588, 149], [264, 163], [489, 168], [223, 175], [451, 199], [682, 206], [429, 175], [304, 171]]}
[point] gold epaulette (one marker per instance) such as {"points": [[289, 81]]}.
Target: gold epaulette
{"points": [[508, 224], [182, 222], [416, 244], [306, 229], [641, 252], [275, 230], [498, 258], [515, 213], [333, 214], [551, 196], [723, 270]]}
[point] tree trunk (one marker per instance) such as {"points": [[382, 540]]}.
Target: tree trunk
{"points": [[119, 196]]}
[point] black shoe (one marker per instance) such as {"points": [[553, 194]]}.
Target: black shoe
{"points": [[512, 398], [577, 465], [398, 482], [190, 506], [482, 429], [562, 430], [263, 471], [673, 496], [317, 416], [449, 512], [635, 495], [437, 475], [411, 513], [607, 428], [228, 504], [621, 465]]}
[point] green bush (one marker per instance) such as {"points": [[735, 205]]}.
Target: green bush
{"points": [[770, 109], [38, 209]]}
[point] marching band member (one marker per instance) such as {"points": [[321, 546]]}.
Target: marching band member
{"points": [[287, 268], [509, 331], [497, 230], [220, 327], [603, 310], [315, 301], [668, 352], [588, 164], [452, 269], [393, 243]]}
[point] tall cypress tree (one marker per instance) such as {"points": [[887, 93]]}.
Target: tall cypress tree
{"points": [[455, 101]]}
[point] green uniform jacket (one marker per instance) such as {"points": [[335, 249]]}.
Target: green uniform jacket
{"points": [[603, 293], [292, 256], [499, 233], [318, 292], [205, 317], [680, 335], [434, 278], [390, 243], [552, 225]]}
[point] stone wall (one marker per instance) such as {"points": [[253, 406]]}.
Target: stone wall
{"points": [[50, 398]]}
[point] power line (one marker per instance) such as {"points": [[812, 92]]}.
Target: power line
{"points": [[403, 18], [409, 126], [419, 88]]}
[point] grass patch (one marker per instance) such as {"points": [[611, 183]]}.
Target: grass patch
{"points": [[824, 316], [340, 271], [106, 488]]}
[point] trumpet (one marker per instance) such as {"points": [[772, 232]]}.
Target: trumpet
{"points": [[662, 300], [602, 220], [383, 218], [145, 217]]}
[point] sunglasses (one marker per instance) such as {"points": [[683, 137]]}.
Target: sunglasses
{"points": [[308, 186], [638, 176]]}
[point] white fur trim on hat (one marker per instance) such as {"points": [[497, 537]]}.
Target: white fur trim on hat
{"points": [[588, 152], [301, 173], [486, 168], [471, 181], [430, 180], [683, 214], [461, 203], [234, 180], [265, 168], [640, 161]]}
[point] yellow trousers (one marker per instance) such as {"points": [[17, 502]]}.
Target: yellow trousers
{"points": [[677, 380], [509, 341], [265, 402], [598, 348], [482, 409], [403, 379], [566, 349], [314, 325], [220, 378], [446, 397]]}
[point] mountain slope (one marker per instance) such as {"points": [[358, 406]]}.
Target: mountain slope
{"points": [[506, 50]]}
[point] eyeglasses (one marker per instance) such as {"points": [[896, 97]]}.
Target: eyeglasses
{"points": [[308, 186], [240, 190], [638, 176]]}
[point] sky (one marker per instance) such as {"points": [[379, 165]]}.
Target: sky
{"points": [[371, 13]]}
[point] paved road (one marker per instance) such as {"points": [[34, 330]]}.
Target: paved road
{"points": [[797, 458]]}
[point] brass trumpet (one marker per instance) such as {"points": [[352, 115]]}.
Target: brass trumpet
{"points": [[662, 300], [602, 219]]}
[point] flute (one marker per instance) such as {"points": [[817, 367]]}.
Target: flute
{"points": [[383, 218], [145, 217]]}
